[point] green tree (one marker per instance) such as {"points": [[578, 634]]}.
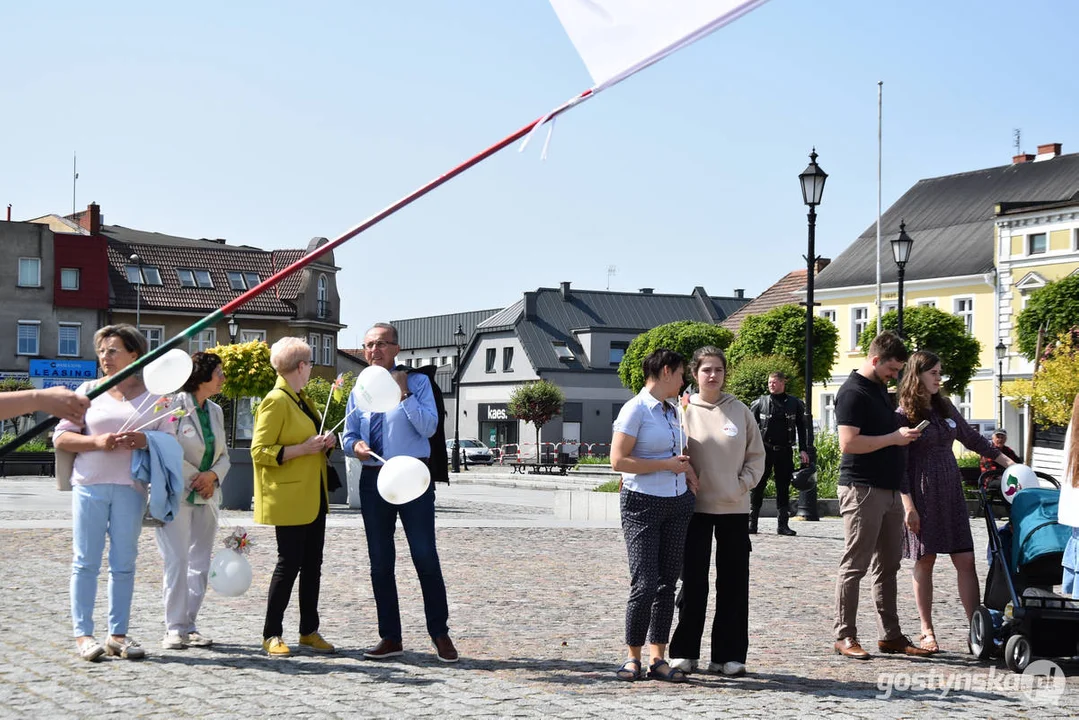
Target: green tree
{"points": [[1055, 306], [927, 328], [748, 380], [683, 337], [1054, 387], [319, 389], [537, 402], [247, 369], [782, 331]]}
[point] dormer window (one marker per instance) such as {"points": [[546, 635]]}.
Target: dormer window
{"points": [[142, 274], [242, 280], [194, 278]]}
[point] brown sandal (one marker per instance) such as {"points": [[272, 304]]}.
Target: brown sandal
{"points": [[928, 642]]}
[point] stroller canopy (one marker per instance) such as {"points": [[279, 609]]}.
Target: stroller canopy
{"points": [[1035, 531]]}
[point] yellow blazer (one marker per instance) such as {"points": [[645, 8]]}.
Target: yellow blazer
{"points": [[285, 493]]}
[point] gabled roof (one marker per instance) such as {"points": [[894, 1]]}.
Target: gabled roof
{"points": [[167, 252], [951, 220], [559, 318], [784, 292], [438, 330]]}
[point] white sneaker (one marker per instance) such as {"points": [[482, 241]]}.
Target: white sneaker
{"points": [[686, 665], [197, 639], [173, 641], [730, 669]]}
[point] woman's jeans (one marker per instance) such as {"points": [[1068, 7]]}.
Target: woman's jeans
{"points": [[97, 511]]}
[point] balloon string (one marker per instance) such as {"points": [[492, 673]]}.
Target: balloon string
{"points": [[136, 412], [376, 457]]}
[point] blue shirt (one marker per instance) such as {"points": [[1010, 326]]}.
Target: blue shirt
{"points": [[655, 425], [406, 430]]}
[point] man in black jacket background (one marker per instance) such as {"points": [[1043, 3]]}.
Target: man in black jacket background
{"points": [[781, 418]]}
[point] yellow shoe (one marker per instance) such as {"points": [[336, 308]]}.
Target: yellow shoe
{"points": [[316, 643], [276, 647]]}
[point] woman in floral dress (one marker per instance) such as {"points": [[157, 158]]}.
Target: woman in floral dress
{"points": [[937, 518]]}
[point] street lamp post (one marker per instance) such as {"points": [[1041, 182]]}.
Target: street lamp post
{"points": [[1002, 350], [137, 261], [901, 247], [234, 330], [459, 342], [812, 180]]}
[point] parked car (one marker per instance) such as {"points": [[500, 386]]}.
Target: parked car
{"points": [[472, 451]]}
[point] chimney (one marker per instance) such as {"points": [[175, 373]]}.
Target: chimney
{"points": [[821, 264], [9, 212], [646, 291], [740, 293], [1020, 159], [1048, 152], [563, 289], [90, 220], [530, 305]]}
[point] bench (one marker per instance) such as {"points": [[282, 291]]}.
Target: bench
{"points": [[527, 465], [27, 463]]}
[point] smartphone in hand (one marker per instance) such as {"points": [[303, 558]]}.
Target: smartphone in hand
{"points": [[922, 425]]}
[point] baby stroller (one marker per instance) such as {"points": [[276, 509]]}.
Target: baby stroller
{"points": [[1021, 616]]}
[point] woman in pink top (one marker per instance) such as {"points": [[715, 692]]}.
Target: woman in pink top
{"points": [[106, 500]]}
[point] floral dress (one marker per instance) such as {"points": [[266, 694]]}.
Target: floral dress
{"points": [[936, 485]]}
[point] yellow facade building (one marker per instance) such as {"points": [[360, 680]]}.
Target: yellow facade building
{"points": [[983, 241]]}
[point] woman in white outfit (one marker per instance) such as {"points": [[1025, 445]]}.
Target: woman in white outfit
{"points": [[187, 541]]}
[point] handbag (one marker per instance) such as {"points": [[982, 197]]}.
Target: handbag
{"points": [[65, 466], [333, 480]]}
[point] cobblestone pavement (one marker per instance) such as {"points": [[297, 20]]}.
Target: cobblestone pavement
{"points": [[536, 611]]}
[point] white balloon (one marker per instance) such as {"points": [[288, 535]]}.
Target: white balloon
{"points": [[230, 573], [168, 373], [1017, 477], [403, 479], [376, 390]]}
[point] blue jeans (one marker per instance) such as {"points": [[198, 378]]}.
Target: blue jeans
{"points": [[97, 511], [379, 524]]}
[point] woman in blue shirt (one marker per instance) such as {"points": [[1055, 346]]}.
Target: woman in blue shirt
{"points": [[656, 503]]}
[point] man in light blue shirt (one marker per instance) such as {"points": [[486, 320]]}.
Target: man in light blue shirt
{"points": [[405, 430]]}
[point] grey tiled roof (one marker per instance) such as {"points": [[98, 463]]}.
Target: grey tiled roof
{"points": [[168, 252], [556, 319], [950, 219], [438, 330]]}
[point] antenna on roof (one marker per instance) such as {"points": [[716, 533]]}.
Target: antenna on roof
{"points": [[612, 270], [1018, 134], [74, 179]]}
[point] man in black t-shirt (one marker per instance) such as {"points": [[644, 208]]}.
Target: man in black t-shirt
{"points": [[872, 476]]}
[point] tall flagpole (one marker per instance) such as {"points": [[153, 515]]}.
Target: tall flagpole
{"points": [[880, 104]]}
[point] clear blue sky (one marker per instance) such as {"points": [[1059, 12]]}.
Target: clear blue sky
{"points": [[268, 123]]}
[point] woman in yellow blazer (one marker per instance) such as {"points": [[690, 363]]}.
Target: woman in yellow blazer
{"points": [[289, 458]]}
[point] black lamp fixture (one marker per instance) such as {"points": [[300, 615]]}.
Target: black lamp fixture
{"points": [[1002, 352], [901, 247], [234, 329], [812, 180], [459, 342]]}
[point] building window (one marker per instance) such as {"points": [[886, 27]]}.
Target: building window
{"points": [[408, 362], [154, 336], [492, 353], [829, 314], [67, 339], [203, 341], [859, 320], [29, 337], [1036, 244], [186, 277], [617, 352], [29, 272], [148, 275], [327, 349], [964, 308], [887, 307], [312, 340], [202, 277], [927, 303], [252, 279], [964, 404], [69, 278], [507, 359], [323, 297], [562, 351], [247, 336], [236, 280], [827, 411], [445, 360]]}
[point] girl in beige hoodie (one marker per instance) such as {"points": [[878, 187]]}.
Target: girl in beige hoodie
{"points": [[726, 454]]}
